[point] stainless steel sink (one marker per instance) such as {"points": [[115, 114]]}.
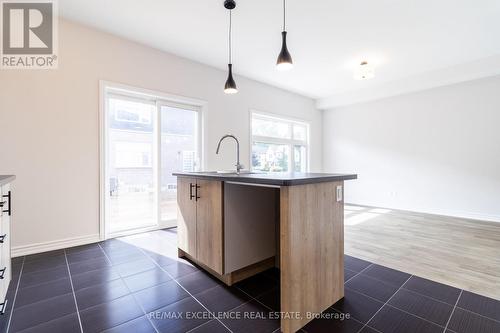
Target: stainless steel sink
{"points": [[242, 172], [229, 172]]}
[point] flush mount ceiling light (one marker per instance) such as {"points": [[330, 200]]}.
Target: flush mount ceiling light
{"points": [[230, 86], [284, 61], [364, 71]]}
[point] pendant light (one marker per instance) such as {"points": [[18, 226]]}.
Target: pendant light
{"points": [[230, 86], [284, 61]]}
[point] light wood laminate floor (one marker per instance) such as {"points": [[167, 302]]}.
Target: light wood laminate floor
{"points": [[459, 252]]}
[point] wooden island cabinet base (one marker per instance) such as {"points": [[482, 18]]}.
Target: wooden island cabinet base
{"points": [[311, 251], [307, 242]]}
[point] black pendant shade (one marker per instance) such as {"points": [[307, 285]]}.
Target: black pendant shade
{"points": [[284, 61], [230, 86]]}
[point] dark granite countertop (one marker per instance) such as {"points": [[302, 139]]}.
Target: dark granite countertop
{"points": [[279, 179], [6, 179]]}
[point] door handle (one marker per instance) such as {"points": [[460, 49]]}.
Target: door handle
{"points": [[191, 196], [2, 238], [2, 272], [196, 193]]}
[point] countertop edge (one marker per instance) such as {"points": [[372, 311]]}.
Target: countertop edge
{"points": [[270, 181], [6, 179]]}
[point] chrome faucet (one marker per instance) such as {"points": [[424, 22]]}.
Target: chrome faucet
{"points": [[238, 165]]}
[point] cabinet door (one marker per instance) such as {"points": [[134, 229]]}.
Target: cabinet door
{"points": [[186, 215], [5, 255], [209, 224], [3, 282], [5, 246]]}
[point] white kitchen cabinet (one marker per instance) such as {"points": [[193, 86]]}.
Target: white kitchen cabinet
{"points": [[5, 255]]}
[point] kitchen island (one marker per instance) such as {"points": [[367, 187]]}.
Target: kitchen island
{"points": [[237, 225]]}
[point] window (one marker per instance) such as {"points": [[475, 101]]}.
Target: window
{"points": [[133, 154], [279, 144], [131, 112]]}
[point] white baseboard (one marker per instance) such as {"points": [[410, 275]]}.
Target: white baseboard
{"points": [[442, 212], [24, 250]]}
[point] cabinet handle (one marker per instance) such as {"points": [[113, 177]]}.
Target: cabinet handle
{"points": [[196, 193], [3, 307], [191, 196], [2, 272], [2, 238], [9, 197]]}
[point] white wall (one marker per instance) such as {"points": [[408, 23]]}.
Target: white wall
{"points": [[435, 151], [49, 125]]}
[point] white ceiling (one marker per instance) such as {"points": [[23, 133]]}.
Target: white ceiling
{"points": [[408, 41]]}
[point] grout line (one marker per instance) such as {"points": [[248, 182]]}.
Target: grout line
{"points": [[414, 315], [41, 284], [45, 269], [453, 311], [15, 294], [361, 271], [251, 298], [430, 297], [392, 306], [255, 298], [46, 299], [340, 312], [73, 291], [224, 311], [414, 292], [375, 278], [205, 323], [384, 304], [395, 307], [361, 293], [93, 286], [156, 263], [130, 292], [478, 314], [426, 296], [376, 330]]}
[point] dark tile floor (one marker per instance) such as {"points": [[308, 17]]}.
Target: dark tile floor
{"points": [[114, 286]]}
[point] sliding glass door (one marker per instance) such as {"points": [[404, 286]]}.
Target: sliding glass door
{"points": [[178, 151], [145, 140]]}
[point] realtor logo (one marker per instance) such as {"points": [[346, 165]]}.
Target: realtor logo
{"points": [[29, 34]]}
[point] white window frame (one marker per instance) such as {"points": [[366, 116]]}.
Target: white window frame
{"points": [[272, 140], [107, 89]]}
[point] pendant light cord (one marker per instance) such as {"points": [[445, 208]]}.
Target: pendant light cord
{"points": [[230, 37], [284, 15]]}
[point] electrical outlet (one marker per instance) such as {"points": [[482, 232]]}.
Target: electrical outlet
{"points": [[339, 193]]}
